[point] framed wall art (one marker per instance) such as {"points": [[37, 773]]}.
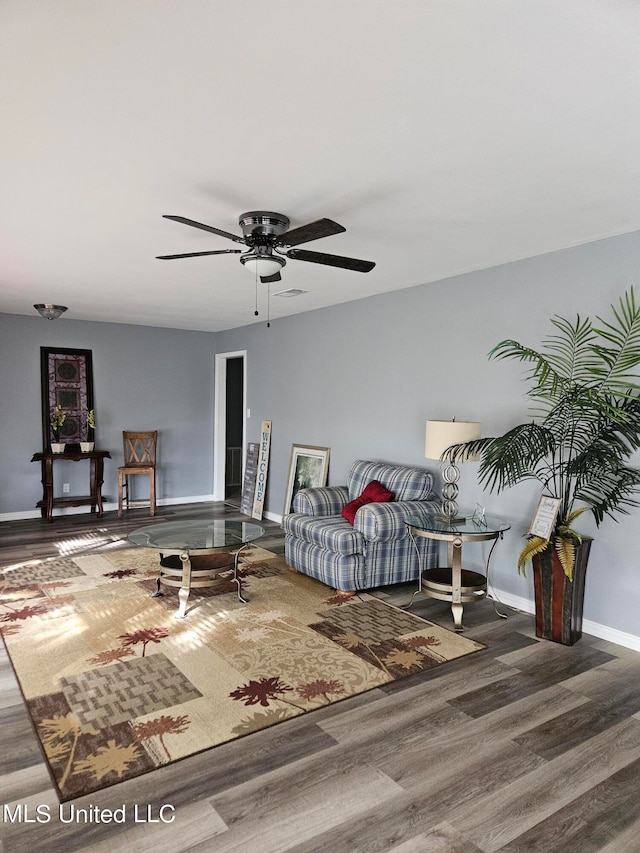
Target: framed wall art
{"points": [[308, 467], [67, 382]]}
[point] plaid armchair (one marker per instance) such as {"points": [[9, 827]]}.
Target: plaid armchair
{"points": [[377, 550]]}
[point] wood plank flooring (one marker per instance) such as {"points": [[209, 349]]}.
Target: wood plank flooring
{"points": [[525, 746]]}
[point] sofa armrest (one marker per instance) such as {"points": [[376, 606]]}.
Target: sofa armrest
{"points": [[321, 500], [385, 521]]}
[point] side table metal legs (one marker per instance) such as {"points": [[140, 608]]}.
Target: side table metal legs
{"points": [[454, 551], [452, 583]]}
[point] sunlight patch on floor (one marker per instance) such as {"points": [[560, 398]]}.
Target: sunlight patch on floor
{"points": [[88, 542]]}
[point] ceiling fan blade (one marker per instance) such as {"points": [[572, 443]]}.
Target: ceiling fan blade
{"points": [[198, 254], [267, 279], [235, 237], [312, 231], [331, 260]]}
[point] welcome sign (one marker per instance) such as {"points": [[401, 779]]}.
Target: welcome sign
{"points": [[263, 466]]}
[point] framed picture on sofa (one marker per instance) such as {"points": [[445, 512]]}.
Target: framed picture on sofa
{"points": [[308, 467]]}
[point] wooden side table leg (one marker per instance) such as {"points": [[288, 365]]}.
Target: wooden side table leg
{"points": [[93, 484], [97, 479], [185, 589], [152, 493], [120, 488], [47, 489]]}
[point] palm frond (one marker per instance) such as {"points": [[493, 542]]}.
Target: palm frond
{"points": [[535, 545], [565, 547], [514, 456], [542, 371], [610, 493], [573, 515], [468, 449], [570, 352], [618, 371]]}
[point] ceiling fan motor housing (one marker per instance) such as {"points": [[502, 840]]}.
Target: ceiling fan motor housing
{"points": [[263, 223]]}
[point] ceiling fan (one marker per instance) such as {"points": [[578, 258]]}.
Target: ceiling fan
{"points": [[270, 243]]}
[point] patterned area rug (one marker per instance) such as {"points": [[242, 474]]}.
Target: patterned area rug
{"points": [[116, 686]]}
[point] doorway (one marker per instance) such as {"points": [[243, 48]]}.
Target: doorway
{"points": [[229, 426]]}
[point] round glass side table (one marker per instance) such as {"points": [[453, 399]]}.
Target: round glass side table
{"points": [[452, 582]]}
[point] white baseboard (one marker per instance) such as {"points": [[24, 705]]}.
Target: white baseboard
{"points": [[273, 516], [603, 632], [108, 506]]}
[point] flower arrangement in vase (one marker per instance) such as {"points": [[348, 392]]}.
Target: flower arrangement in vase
{"points": [[57, 418], [88, 445]]}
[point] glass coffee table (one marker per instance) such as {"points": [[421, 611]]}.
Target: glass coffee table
{"points": [[196, 553]]}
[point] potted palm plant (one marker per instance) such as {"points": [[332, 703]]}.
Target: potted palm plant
{"points": [[585, 394]]}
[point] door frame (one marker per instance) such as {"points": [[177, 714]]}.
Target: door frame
{"points": [[219, 419]]}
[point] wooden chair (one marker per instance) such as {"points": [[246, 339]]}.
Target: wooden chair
{"points": [[139, 458]]}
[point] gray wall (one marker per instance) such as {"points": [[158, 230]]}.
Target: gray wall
{"points": [[144, 378], [362, 378]]}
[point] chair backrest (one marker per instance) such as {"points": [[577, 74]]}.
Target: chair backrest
{"points": [[408, 484], [139, 448]]}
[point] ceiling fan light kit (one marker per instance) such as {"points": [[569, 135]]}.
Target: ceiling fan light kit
{"points": [[264, 265]]}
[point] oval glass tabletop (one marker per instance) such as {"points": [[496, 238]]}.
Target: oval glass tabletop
{"points": [[434, 524], [196, 535]]}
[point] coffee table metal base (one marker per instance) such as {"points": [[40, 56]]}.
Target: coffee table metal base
{"points": [[190, 573]]}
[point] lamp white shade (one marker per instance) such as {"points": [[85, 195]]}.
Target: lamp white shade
{"points": [[440, 435]]}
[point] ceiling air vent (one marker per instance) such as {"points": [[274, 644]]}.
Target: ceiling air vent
{"points": [[292, 291]]}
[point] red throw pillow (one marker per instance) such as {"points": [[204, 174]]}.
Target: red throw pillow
{"points": [[374, 492], [350, 510]]}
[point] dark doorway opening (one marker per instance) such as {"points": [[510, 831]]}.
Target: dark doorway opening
{"points": [[234, 426]]}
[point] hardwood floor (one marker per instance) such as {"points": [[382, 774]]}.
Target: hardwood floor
{"points": [[525, 746]]}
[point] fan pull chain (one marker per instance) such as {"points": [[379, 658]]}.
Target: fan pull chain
{"points": [[268, 305], [255, 313]]}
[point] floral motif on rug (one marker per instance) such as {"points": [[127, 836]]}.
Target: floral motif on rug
{"points": [[116, 686]]}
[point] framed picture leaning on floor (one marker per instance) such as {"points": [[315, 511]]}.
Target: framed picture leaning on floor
{"points": [[308, 467]]}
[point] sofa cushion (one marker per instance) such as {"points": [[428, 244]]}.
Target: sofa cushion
{"points": [[374, 492], [331, 533], [408, 484]]}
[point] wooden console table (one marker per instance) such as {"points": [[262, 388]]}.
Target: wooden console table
{"points": [[93, 499]]}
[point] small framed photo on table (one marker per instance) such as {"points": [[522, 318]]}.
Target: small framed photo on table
{"points": [[308, 467], [545, 517]]}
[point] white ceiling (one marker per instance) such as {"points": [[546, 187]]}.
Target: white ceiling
{"points": [[445, 135]]}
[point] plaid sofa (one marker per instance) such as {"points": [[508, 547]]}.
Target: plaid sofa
{"points": [[377, 550]]}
